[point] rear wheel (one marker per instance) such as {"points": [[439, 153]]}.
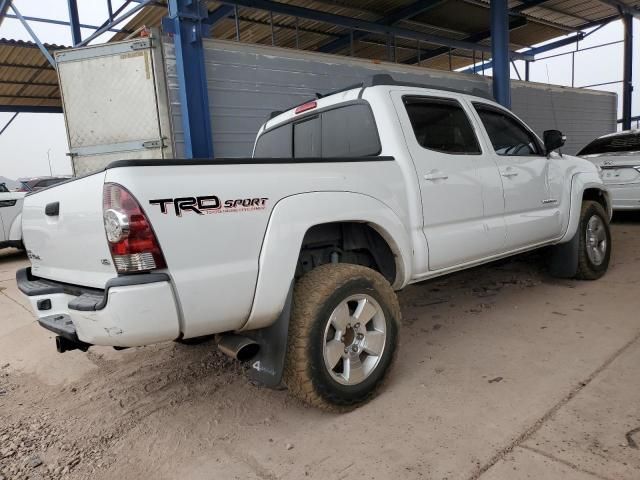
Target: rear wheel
{"points": [[595, 242], [343, 336]]}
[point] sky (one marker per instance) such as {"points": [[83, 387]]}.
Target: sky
{"points": [[36, 144]]}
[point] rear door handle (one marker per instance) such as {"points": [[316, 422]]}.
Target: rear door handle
{"points": [[509, 173], [434, 175]]}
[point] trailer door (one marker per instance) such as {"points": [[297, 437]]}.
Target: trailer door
{"points": [[114, 103]]}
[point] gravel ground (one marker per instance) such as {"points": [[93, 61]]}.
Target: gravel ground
{"points": [[503, 372]]}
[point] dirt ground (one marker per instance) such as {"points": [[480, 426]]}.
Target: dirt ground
{"points": [[503, 373]]}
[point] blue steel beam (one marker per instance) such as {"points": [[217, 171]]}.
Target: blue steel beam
{"points": [[62, 22], [35, 38], [514, 22], [4, 7], [188, 18], [394, 17], [532, 51], [500, 52], [74, 21], [627, 82], [9, 122], [358, 24], [218, 14], [109, 24], [553, 45], [30, 109]]}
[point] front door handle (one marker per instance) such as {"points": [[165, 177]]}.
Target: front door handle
{"points": [[434, 175]]}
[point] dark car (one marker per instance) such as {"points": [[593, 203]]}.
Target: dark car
{"points": [[38, 183]]}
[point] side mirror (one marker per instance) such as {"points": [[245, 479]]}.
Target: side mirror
{"points": [[553, 140]]}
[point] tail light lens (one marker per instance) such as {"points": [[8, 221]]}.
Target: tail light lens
{"points": [[134, 247]]}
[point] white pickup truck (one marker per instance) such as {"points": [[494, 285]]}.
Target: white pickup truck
{"points": [[292, 257]]}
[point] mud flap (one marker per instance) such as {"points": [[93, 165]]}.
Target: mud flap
{"points": [[267, 367], [563, 259]]}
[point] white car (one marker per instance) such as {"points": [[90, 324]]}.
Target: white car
{"points": [[292, 256], [10, 217], [618, 155]]}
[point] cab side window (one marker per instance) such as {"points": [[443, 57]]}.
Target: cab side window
{"points": [[508, 136], [442, 125]]}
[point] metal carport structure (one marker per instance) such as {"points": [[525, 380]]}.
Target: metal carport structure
{"points": [[444, 34]]}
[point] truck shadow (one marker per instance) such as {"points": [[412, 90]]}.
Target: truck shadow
{"points": [[11, 255]]}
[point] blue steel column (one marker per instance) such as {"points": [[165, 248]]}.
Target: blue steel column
{"points": [[627, 83], [500, 51], [188, 30], [74, 21]]}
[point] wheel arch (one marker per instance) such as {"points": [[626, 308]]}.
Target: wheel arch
{"points": [[296, 219], [585, 186]]}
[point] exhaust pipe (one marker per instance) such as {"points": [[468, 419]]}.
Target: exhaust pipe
{"points": [[65, 345], [238, 347]]}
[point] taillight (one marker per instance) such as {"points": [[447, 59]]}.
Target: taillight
{"points": [[134, 247]]}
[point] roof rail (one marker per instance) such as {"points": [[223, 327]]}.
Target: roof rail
{"points": [[386, 79]]}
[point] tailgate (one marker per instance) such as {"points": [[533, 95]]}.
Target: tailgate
{"points": [[69, 246]]}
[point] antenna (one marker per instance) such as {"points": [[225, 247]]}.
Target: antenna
{"points": [[553, 107]]}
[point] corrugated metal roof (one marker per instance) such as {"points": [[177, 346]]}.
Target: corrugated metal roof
{"points": [[27, 79]]}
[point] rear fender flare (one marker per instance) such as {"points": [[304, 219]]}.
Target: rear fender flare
{"points": [[288, 224]]}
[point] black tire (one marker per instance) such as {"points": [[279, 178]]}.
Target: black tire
{"points": [[316, 295], [588, 269]]}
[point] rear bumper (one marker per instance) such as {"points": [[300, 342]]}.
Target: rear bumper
{"points": [[625, 197], [131, 311]]}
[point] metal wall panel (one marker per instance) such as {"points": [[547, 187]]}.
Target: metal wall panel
{"points": [[582, 115], [247, 82]]}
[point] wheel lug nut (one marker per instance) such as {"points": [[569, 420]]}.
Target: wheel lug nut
{"points": [[354, 348], [346, 350], [360, 336], [357, 325]]}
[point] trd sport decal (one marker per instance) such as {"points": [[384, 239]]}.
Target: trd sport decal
{"points": [[208, 204]]}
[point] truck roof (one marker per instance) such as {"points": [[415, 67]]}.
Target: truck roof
{"points": [[353, 92]]}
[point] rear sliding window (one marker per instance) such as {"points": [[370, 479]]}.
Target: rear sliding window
{"points": [[441, 124], [629, 142], [347, 131]]}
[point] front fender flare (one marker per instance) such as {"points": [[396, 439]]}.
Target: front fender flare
{"points": [[288, 224], [581, 182]]}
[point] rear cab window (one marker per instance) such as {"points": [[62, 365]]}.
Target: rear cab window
{"points": [[622, 143], [341, 131]]}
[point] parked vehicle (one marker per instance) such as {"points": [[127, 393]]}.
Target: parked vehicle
{"points": [[618, 155], [38, 183], [10, 217], [292, 256]]}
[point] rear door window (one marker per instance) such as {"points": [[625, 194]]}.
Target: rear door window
{"points": [[624, 143], [442, 125]]}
